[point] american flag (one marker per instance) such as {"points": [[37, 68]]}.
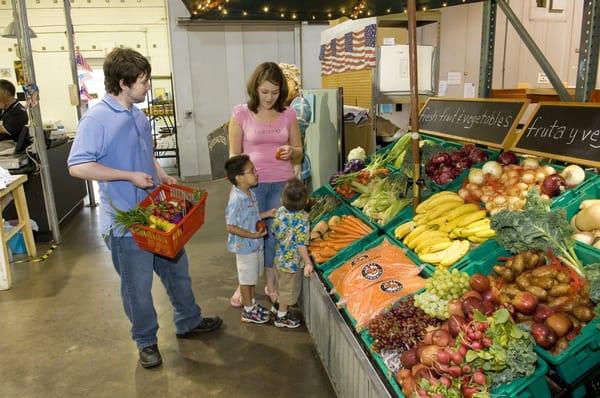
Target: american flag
{"points": [[350, 52]]}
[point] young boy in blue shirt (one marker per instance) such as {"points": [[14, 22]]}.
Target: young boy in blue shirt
{"points": [[245, 233]]}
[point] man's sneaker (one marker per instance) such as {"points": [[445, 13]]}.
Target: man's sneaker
{"points": [[206, 325], [287, 321], [150, 356], [256, 315]]}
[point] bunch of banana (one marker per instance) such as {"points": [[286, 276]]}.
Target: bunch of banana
{"points": [[443, 227]]}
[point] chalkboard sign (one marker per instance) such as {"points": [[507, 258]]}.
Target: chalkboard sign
{"points": [[218, 151], [482, 121], [563, 131]]}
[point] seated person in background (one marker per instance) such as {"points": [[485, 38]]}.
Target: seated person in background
{"points": [[14, 115]]}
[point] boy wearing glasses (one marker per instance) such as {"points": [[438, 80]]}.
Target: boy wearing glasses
{"points": [[245, 232]]}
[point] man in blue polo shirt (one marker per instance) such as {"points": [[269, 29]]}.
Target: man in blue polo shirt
{"points": [[113, 146]]}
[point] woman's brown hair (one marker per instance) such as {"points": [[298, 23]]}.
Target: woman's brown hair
{"points": [[267, 72]]}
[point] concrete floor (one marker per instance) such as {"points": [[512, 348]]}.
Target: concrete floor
{"points": [[63, 332]]}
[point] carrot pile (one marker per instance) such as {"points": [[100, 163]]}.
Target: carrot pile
{"points": [[327, 238]]}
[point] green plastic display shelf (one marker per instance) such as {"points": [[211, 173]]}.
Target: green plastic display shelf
{"points": [[534, 386], [583, 352]]}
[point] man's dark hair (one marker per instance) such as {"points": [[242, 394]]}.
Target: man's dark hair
{"points": [[124, 64], [295, 195], [234, 166], [267, 72], [8, 87]]}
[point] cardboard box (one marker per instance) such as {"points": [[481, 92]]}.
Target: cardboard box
{"points": [[399, 35], [385, 128], [358, 135]]}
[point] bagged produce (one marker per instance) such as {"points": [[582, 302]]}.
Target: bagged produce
{"points": [[381, 262], [372, 300]]}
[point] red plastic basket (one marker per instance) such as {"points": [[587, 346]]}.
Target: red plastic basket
{"points": [[169, 244]]}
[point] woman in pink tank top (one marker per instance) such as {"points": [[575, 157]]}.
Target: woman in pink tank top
{"points": [[268, 132]]}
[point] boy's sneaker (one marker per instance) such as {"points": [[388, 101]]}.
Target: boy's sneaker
{"points": [[262, 309], [273, 310], [287, 321], [256, 315]]}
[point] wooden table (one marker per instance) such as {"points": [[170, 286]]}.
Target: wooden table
{"points": [[16, 189]]}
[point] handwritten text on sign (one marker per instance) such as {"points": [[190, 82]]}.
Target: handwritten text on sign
{"points": [[461, 118], [566, 131], [484, 121], [565, 134]]}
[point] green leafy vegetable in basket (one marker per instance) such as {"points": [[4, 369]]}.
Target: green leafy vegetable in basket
{"points": [[592, 274], [382, 198], [537, 228]]}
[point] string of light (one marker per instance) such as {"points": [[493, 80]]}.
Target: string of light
{"points": [[360, 10]]}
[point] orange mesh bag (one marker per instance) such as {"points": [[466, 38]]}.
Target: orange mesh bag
{"points": [[385, 261], [372, 300]]}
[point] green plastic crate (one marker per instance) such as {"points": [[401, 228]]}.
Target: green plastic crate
{"points": [[346, 210], [583, 352], [534, 386]]}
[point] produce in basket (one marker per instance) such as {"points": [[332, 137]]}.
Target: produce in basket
{"points": [[373, 261], [442, 287], [321, 205], [329, 237], [546, 295], [505, 186], [373, 299], [376, 168], [489, 351], [446, 166], [161, 214], [382, 198], [444, 228], [586, 223]]}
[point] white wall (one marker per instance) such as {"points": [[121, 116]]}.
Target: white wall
{"points": [[212, 63], [461, 44], [99, 24]]}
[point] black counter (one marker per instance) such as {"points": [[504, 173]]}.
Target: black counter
{"points": [[69, 192]]}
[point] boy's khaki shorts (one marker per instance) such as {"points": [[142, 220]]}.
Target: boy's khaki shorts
{"points": [[289, 286]]}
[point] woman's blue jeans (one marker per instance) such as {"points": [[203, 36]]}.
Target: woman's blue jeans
{"points": [[268, 195], [136, 268]]}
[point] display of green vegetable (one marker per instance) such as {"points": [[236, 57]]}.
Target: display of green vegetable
{"points": [[320, 205], [382, 198], [511, 354], [592, 274], [537, 228]]}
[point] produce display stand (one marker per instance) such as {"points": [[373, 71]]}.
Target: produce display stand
{"points": [[356, 371]]}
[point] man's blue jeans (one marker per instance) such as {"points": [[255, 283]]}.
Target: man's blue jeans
{"points": [[136, 267]]}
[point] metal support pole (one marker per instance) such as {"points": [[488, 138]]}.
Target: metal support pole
{"points": [[75, 77], [535, 51], [414, 99], [488, 40], [22, 28], [588, 50]]}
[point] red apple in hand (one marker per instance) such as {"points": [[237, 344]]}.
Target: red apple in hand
{"points": [[261, 225]]}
